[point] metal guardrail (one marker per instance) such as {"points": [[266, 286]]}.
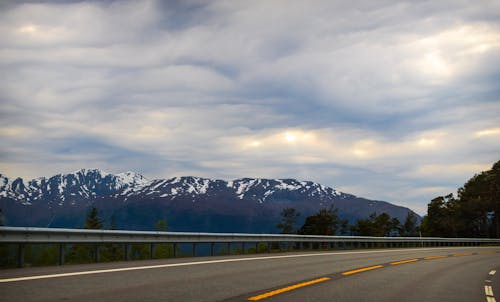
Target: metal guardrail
{"points": [[22, 236]]}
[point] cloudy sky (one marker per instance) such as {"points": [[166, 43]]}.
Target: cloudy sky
{"points": [[398, 101]]}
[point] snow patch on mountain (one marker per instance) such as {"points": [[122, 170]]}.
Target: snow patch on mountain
{"points": [[87, 184]]}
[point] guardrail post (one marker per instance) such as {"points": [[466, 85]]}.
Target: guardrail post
{"points": [[256, 247], [269, 247], [61, 247], [194, 249], [243, 247], [96, 253], [212, 248], [228, 245], [20, 255], [126, 247], [151, 250], [175, 250]]}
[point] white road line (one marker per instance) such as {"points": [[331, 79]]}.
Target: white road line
{"points": [[493, 272], [488, 290], [123, 269]]}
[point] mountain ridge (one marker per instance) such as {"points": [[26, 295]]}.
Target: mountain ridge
{"points": [[189, 203]]}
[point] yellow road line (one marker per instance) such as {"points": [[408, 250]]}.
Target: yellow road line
{"points": [[434, 257], [404, 261], [287, 289], [347, 273], [487, 253], [461, 255], [364, 269]]}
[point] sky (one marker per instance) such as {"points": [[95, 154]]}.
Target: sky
{"points": [[388, 100]]}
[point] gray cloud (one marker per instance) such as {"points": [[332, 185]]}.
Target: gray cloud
{"points": [[389, 100]]}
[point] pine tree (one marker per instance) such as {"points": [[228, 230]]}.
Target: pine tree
{"points": [[288, 220], [324, 222], [409, 228], [474, 213], [93, 221], [377, 225], [161, 225]]}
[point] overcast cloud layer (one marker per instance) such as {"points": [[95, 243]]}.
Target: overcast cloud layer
{"points": [[398, 101]]}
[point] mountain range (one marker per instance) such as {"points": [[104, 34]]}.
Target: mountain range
{"points": [[251, 205]]}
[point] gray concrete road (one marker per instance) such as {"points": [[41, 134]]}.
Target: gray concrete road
{"points": [[454, 278]]}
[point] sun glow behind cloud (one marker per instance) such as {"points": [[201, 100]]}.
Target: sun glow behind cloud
{"points": [[347, 97], [488, 132]]}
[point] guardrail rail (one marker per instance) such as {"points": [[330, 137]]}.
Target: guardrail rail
{"points": [[21, 236]]}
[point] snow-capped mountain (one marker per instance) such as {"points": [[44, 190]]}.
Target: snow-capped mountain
{"points": [[85, 183], [188, 203], [93, 183]]}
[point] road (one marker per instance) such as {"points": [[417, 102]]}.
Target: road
{"points": [[430, 274]]}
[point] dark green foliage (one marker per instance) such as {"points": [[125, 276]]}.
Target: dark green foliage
{"points": [[93, 221], [344, 227], [86, 253], [261, 247], [377, 225], [288, 220], [324, 222], [409, 227], [8, 255], [161, 225], [474, 213], [442, 217], [164, 250], [2, 218], [112, 252]]}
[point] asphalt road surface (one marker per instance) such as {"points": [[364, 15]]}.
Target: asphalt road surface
{"points": [[425, 274]]}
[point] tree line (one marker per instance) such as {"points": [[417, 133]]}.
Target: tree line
{"points": [[327, 222], [474, 212]]}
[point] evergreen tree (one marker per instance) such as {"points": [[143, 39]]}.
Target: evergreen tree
{"points": [[93, 221], [409, 227], [161, 225], [479, 201], [344, 227], [377, 225], [2, 218], [288, 220], [442, 213], [324, 222], [395, 227], [474, 213], [84, 253]]}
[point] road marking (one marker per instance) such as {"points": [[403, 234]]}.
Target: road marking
{"points": [[124, 269], [287, 289], [461, 255], [493, 272], [488, 290], [490, 299], [486, 253], [360, 270], [434, 257], [404, 261]]}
